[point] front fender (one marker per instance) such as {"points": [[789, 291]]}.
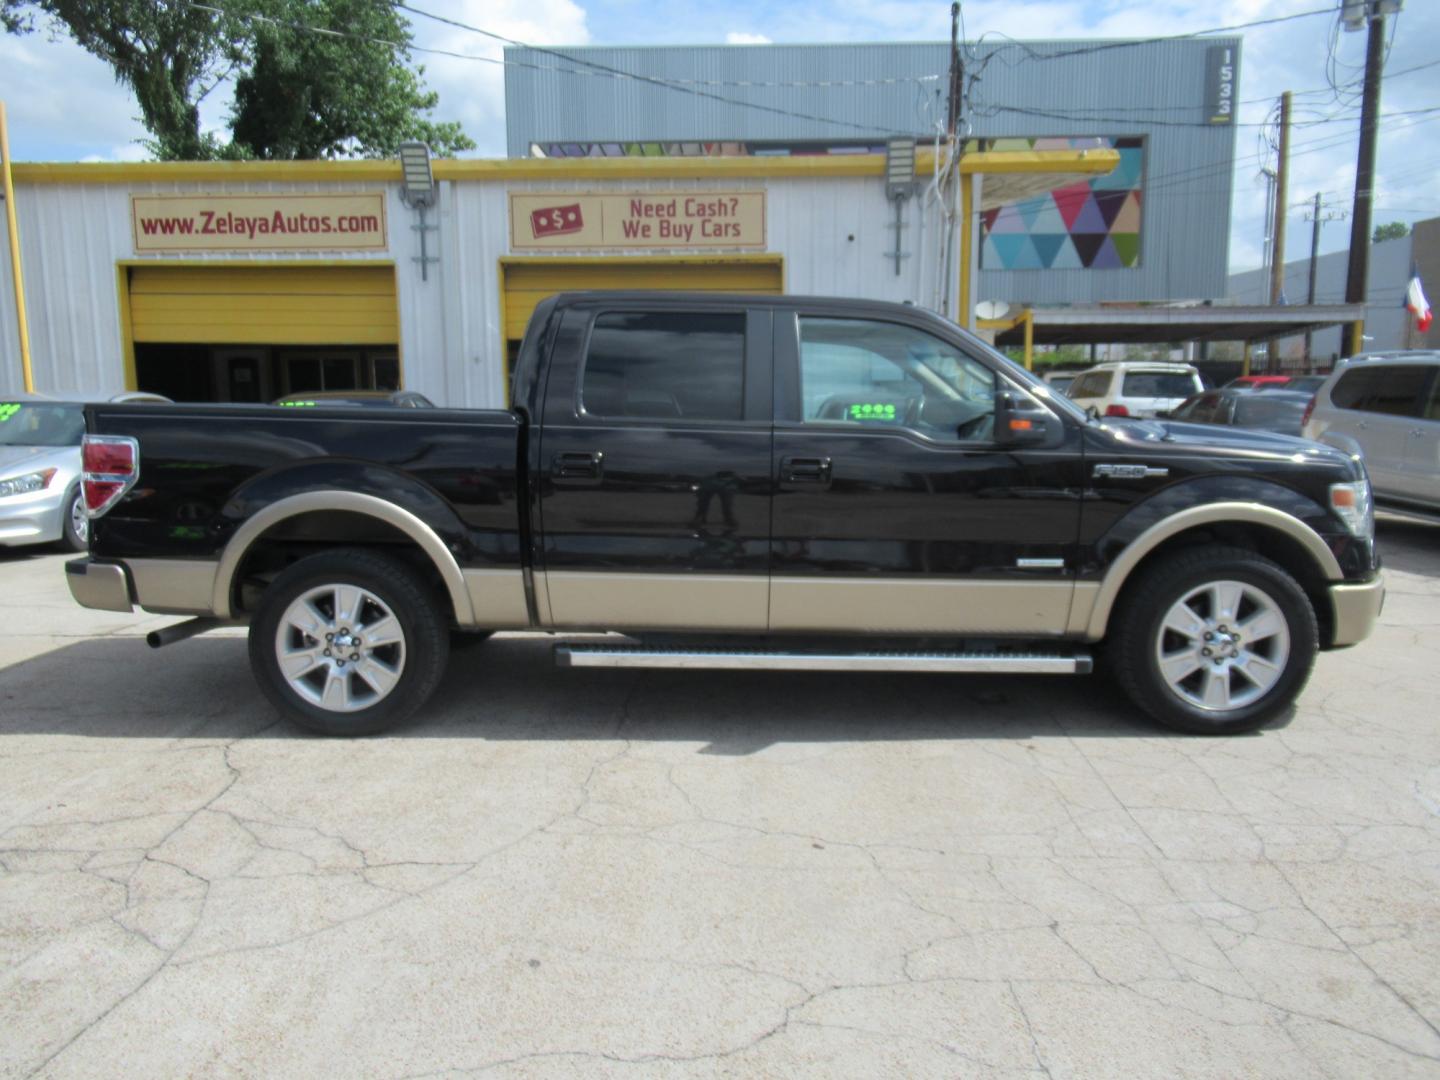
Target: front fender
{"points": [[1201, 503]]}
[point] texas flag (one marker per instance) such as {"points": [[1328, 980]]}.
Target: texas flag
{"points": [[1415, 302]]}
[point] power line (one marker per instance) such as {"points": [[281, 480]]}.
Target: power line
{"points": [[648, 79], [1032, 54], [1096, 118], [613, 73]]}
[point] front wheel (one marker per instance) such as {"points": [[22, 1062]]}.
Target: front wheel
{"points": [[1215, 640], [348, 642], [74, 523]]}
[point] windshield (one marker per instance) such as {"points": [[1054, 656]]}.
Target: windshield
{"points": [[1163, 384], [24, 424]]}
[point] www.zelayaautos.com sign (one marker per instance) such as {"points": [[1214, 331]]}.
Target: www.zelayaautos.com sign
{"points": [[298, 222]]}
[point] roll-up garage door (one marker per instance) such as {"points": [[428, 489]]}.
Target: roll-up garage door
{"points": [[527, 283], [271, 305]]}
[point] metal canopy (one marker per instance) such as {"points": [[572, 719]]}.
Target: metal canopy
{"points": [[1121, 326]]}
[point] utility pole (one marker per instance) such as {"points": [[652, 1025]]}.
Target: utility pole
{"points": [[1282, 181], [952, 115], [1357, 275], [1316, 220], [1277, 247]]}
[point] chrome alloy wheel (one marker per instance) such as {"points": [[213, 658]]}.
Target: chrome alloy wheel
{"points": [[340, 647], [79, 520], [1223, 645]]}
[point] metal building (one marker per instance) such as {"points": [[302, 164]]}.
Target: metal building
{"points": [[244, 281], [1156, 228]]}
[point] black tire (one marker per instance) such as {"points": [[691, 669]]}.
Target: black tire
{"points": [[1135, 641], [468, 639], [396, 590], [71, 537]]}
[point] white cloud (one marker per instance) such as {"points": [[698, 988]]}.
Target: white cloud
{"points": [[740, 37]]}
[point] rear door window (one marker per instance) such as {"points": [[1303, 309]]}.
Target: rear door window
{"points": [[1397, 390], [666, 366], [1158, 384]]}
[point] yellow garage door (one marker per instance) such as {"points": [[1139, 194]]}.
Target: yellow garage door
{"points": [[271, 305], [527, 283]]}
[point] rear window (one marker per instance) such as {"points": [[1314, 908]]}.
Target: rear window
{"points": [[671, 365], [1165, 384], [1095, 384], [1394, 390]]}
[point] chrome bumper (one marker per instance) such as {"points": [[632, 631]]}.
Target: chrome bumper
{"points": [[1357, 608], [103, 586]]}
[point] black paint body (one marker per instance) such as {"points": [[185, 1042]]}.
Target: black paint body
{"points": [[547, 486]]}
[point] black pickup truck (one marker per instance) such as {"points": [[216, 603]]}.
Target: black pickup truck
{"points": [[737, 482]]}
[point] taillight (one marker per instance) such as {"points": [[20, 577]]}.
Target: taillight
{"points": [[112, 465], [1116, 410], [1309, 411]]}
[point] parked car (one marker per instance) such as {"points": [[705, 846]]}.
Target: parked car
{"points": [[1386, 407], [400, 399], [1134, 388], [1305, 384], [738, 482], [40, 495], [1262, 408], [1249, 381]]}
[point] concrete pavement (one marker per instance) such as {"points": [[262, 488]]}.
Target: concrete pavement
{"points": [[594, 873]]}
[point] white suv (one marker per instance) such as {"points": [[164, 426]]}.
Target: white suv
{"points": [[1386, 407], [1135, 387]]}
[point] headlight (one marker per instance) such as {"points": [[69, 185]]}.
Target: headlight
{"points": [[24, 485], [1354, 506]]}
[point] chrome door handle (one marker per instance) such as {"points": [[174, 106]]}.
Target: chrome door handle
{"points": [[577, 466], [805, 470]]}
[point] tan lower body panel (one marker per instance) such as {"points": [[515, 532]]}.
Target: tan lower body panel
{"points": [[498, 597], [919, 606], [174, 586], [623, 601]]}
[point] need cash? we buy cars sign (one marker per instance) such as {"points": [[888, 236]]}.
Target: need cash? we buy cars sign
{"points": [[660, 220], [296, 222]]}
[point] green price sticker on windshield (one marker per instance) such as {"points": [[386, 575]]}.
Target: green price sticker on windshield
{"points": [[8, 410], [872, 411]]}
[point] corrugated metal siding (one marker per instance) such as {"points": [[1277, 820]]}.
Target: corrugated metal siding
{"points": [[1154, 89], [73, 236], [1385, 317]]}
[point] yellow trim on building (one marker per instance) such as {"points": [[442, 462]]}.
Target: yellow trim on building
{"points": [[1078, 162]]}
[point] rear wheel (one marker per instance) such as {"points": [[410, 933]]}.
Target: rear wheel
{"points": [[1214, 641], [348, 642]]}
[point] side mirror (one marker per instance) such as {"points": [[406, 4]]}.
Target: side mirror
{"points": [[1019, 421]]}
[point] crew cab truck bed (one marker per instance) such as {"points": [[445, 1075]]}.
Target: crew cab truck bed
{"points": [[738, 482]]}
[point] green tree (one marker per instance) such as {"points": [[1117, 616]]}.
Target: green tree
{"points": [[1392, 230], [298, 93]]}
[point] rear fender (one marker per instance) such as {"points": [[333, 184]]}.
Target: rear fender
{"points": [[388, 496]]}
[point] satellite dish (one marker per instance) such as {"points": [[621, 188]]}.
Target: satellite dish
{"points": [[992, 309]]}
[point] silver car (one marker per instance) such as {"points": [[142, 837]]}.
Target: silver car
{"points": [[1386, 408], [40, 497]]}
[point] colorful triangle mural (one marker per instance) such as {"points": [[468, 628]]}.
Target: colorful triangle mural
{"points": [[1092, 224]]}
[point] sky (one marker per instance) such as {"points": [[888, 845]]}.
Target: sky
{"points": [[65, 106]]}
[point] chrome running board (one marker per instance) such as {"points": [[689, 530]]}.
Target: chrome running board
{"points": [[1012, 663]]}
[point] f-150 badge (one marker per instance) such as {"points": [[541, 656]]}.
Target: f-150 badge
{"points": [[1129, 472]]}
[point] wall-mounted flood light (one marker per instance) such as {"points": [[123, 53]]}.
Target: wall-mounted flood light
{"points": [[899, 186], [417, 191]]}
